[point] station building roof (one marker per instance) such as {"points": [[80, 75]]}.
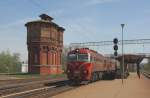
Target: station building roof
{"points": [[131, 58]]}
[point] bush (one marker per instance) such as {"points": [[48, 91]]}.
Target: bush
{"points": [[9, 63], [147, 67]]}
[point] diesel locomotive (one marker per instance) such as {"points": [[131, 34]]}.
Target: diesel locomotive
{"points": [[84, 64]]}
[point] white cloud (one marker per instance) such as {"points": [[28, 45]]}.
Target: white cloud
{"points": [[16, 23], [96, 2], [56, 12]]}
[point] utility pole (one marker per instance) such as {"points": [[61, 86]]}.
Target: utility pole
{"points": [[122, 25]]}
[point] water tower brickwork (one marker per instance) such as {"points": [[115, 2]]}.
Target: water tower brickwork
{"points": [[45, 43]]}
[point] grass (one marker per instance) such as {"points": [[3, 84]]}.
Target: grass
{"points": [[147, 68], [57, 75], [25, 75]]}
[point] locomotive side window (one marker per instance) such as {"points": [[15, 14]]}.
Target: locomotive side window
{"points": [[92, 59]]}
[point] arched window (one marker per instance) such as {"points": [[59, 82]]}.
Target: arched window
{"points": [[36, 56], [45, 55]]}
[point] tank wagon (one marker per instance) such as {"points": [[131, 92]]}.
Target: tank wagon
{"points": [[84, 64]]}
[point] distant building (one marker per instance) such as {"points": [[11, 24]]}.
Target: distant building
{"points": [[132, 67], [45, 43], [24, 68]]}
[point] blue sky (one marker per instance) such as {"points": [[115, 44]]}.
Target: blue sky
{"points": [[84, 20]]}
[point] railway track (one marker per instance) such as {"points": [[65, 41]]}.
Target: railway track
{"points": [[43, 92], [36, 89], [146, 74], [16, 81]]}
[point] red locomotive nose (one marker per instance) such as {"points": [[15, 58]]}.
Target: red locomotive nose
{"points": [[76, 64], [73, 66]]}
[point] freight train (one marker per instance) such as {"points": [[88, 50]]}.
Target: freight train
{"points": [[84, 64]]}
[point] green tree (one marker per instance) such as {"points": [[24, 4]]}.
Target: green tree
{"points": [[147, 66], [9, 63]]}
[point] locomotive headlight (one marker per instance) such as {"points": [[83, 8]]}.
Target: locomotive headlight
{"points": [[77, 50], [68, 71], [85, 71]]}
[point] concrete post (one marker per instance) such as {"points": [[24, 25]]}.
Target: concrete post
{"points": [[138, 69]]}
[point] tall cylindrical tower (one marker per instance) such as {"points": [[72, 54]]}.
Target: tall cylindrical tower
{"points": [[45, 43]]}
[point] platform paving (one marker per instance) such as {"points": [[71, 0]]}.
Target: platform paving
{"points": [[133, 87]]}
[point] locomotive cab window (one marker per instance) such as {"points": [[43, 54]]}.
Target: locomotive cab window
{"points": [[72, 57], [78, 57], [83, 57]]}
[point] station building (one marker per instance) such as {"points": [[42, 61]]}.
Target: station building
{"points": [[45, 43]]}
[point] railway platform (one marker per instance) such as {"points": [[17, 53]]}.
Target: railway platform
{"points": [[132, 87]]}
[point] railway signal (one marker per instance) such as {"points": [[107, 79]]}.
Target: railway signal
{"points": [[115, 46], [115, 53]]}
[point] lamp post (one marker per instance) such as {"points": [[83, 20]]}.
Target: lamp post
{"points": [[122, 25]]}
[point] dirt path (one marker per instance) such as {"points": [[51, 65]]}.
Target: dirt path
{"points": [[133, 87]]}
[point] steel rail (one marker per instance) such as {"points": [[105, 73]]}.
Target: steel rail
{"points": [[146, 74], [20, 87], [43, 92]]}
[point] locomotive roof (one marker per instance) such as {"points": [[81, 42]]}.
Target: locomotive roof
{"points": [[84, 50], [87, 50]]}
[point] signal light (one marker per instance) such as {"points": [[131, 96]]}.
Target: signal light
{"points": [[115, 47], [115, 53], [115, 41]]}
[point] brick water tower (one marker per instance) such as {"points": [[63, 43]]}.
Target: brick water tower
{"points": [[45, 43]]}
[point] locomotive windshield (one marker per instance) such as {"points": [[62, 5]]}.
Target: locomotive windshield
{"points": [[72, 57], [78, 57], [82, 57]]}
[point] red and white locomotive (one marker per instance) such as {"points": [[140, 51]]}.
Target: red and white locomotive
{"points": [[88, 65]]}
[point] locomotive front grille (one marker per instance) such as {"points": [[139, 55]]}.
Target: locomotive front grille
{"points": [[76, 73]]}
